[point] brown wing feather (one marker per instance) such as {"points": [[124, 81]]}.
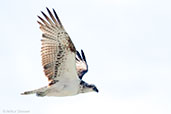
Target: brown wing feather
{"points": [[55, 45], [81, 64]]}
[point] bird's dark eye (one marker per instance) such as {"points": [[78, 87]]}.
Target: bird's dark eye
{"points": [[91, 86]]}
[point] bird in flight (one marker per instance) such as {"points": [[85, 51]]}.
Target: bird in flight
{"points": [[63, 65]]}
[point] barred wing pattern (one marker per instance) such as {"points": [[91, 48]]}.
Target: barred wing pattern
{"points": [[57, 46], [81, 64]]}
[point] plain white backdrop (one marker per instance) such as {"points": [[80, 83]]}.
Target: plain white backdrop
{"points": [[128, 50]]}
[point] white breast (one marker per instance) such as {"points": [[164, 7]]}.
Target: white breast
{"points": [[68, 83], [64, 88]]}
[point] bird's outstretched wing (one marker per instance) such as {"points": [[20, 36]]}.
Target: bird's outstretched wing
{"points": [[81, 64], [58, 51]]}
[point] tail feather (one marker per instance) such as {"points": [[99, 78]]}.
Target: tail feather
{"points": [[36, 91]]}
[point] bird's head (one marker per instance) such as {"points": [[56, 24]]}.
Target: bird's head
{"points": [[88, 87], [93, 88]]}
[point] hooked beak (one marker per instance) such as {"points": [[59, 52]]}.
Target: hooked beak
{"points": [[95, 89]]}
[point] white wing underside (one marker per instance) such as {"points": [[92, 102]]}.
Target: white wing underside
{"points": [[58, 51]]}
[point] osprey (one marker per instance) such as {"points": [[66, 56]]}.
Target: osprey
{"points": [[63, 65]]}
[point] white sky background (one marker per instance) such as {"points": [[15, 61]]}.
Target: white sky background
{"points": [[127, 45]]}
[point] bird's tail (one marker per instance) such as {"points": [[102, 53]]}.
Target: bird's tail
{"points": [[39, 92]]}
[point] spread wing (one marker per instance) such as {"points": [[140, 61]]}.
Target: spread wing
{"points": [[58, 52], [81, 64]]}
